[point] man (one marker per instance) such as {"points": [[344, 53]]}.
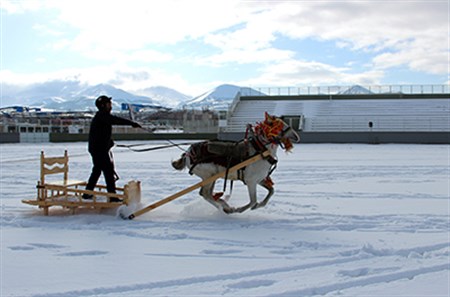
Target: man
{"points": [[100, 143]]}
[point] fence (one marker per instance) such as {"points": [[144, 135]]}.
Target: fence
{"points": [[334, 90]]}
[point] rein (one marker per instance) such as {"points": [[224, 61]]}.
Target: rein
{"points": [[131, 147]]}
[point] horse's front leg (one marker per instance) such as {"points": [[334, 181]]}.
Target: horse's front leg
{"points": [[252, 194], [207, 193], [267, 183]]}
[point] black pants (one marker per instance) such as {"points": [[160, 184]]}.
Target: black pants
{"points": [[103, 162]]}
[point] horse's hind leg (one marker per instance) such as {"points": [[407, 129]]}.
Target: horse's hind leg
{"points": [[207, 193], [267, 183]]}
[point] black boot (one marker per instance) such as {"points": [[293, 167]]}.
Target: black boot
{"points": [[87, 196]]}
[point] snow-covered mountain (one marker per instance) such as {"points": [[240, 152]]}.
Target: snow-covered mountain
{"points": [[84, 97], [166, 96], [57, 91], [356, 90], [218, 98], [70, 95], [76, 96]]}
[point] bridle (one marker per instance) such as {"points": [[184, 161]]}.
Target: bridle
{"points": [[274, 130]]}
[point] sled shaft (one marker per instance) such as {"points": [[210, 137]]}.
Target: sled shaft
{"points": [[199, 185]]}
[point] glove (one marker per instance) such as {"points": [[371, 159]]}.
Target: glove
{"points": [[136, 125]]}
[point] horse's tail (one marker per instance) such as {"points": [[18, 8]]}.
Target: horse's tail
{"points": [[180, 163]]}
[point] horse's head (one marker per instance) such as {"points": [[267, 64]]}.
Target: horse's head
{"points": [[275, 130]]}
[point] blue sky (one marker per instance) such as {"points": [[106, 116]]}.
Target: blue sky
{"points": [[193, 46]]}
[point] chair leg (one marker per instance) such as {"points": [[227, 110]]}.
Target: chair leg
{"points": [[45, 210]]}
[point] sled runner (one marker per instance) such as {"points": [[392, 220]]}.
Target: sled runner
{"points": [[68, 193]]}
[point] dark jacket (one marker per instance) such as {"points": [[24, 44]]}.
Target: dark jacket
{"points": [[100, 140]]}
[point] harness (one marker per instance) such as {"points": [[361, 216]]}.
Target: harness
{"points": [[199, 153]]}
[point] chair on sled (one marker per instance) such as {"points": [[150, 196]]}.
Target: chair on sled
{"points": [[68, 193]]}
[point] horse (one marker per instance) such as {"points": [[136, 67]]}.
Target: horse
{"points": [[207, 158]]}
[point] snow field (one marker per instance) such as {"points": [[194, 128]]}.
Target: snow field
{"points": [[345, 220]]}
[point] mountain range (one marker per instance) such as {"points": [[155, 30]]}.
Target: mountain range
{"points": [[67, 95], [76, 96]]}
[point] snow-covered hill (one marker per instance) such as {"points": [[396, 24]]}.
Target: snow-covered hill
{"points": [[83, 98], [166, 96], [356, 90], [73, 95], [218, 98], [51, 92]]}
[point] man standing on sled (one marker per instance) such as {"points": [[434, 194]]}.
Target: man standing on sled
{"points": [[100, 144]]}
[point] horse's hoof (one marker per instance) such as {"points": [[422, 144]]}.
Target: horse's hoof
{"points": [[225, 207], [228, 210], [258, 205], [241, 209]]}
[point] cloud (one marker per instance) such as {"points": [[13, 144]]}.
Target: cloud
{"points": [[132, 79], [243, 56], [138, 32], [15, 7], [44, 29], [426, 57], [411, 33], [138, 79], [132, 25], [294, 73]]}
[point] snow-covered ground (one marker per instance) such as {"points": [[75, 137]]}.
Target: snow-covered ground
{"points": [[346, 220]]}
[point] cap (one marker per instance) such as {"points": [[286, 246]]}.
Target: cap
{"points": [[101, 101]]}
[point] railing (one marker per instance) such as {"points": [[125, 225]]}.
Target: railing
{"points": [[334, 90], [233, 104], [364, 124], [378, 124]]}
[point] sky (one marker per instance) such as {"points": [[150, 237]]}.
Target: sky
{"points": [[193, 46]]}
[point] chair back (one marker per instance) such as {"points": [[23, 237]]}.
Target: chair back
{"points": [[54, 165]]}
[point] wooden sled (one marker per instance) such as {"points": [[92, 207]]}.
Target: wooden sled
{"points": [[68, 193]]}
